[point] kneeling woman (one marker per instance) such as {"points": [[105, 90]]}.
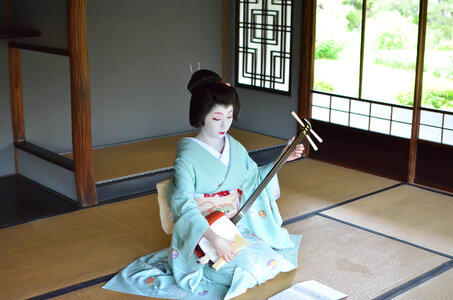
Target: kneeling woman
{"points": [[213, 172]]}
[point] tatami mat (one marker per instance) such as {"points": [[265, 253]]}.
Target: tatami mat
{"points": [[308, 185], [356, 262], [409, 213], [138, 157], [439, 288], [59, 252], [54, 253], [141, 214], [359, 263]]}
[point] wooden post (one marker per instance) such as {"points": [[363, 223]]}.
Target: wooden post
{"points": [[15, 92], [80, 103], [362, 49], [307, 51], [418, 91]]}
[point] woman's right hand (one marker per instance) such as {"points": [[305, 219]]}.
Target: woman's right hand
{"points": [[223, 247]]}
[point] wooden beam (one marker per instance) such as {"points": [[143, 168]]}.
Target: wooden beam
{"points": [[37, 48], [46, 155], [80, 103], [10, 33], [418, 91], [307, 55], [15, 92]]}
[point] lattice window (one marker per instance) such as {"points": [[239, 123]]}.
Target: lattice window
{"points": [[264, 44]]}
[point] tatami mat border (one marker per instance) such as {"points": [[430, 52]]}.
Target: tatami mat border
{"points": [[133, 176], [73, 288], [416, 281], [387, 236], [166, 169], [388, 295], [316, 212], [430, 189]]}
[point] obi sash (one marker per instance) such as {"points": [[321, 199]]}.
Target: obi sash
{"points": [[226, 202]]}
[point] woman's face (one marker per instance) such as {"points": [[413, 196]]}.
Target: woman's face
{"points": [[218, 121]]}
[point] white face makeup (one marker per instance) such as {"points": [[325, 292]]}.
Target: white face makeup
{"points": [[217, 123]]}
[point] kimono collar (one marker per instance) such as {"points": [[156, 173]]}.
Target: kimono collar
{"points": [[224, 157]]}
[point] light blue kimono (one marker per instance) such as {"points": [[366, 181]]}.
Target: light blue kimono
{"points": [[174, 272]]}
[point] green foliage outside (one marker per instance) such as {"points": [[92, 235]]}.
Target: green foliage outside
{"points": [[354, 17], [390, 40], [398, 59], [435, 98], [323, 86], [328, 49], [446, 71], [395, 63], [445, 46]]}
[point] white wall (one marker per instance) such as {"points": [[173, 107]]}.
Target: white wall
{"points": [[139, 55]]}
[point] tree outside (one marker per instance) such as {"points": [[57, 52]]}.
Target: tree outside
{"points": [[390, 51]]}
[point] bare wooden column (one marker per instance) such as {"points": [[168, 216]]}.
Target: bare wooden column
{"points": [[80, 103], [307, 60], [15, 91], [418, 91]]}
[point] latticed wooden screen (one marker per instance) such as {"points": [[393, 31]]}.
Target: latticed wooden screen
{"points": [[264, 44]]}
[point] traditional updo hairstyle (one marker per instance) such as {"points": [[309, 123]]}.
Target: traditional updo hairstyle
{"points": [[207, 90]]}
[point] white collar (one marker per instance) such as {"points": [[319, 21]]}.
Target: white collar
{"points": [[224, 157]]}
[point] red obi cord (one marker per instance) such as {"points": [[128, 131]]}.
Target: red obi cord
{"points": [[222, 194]]}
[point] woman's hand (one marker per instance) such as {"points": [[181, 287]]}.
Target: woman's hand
{"points": [[297, 153], [223, 247]]}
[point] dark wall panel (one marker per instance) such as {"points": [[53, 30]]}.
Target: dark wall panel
{"points": [[366, 151], [435, 165]]}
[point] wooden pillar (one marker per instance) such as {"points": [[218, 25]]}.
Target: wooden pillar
{"points": [[362, 48], [80, 103], [15, 91], [418, 91], [308, 32]]}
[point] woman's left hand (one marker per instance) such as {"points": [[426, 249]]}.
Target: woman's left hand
{"points": [[297, 153]]}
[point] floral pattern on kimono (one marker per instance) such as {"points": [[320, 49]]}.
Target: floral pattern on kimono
{"points": [[174, 272]]}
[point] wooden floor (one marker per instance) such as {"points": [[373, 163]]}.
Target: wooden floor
{"points": [[367, 236]]}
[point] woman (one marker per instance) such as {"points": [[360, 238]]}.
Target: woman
{"points": [[213, 171]]}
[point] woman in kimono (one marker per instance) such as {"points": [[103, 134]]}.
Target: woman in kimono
{"points": [[213, 171]]}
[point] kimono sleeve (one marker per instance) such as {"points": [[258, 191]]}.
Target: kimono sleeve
{"points": [[189, 224]]}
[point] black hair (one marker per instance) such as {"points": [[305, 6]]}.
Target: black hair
{"points": [[207, 90]]}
